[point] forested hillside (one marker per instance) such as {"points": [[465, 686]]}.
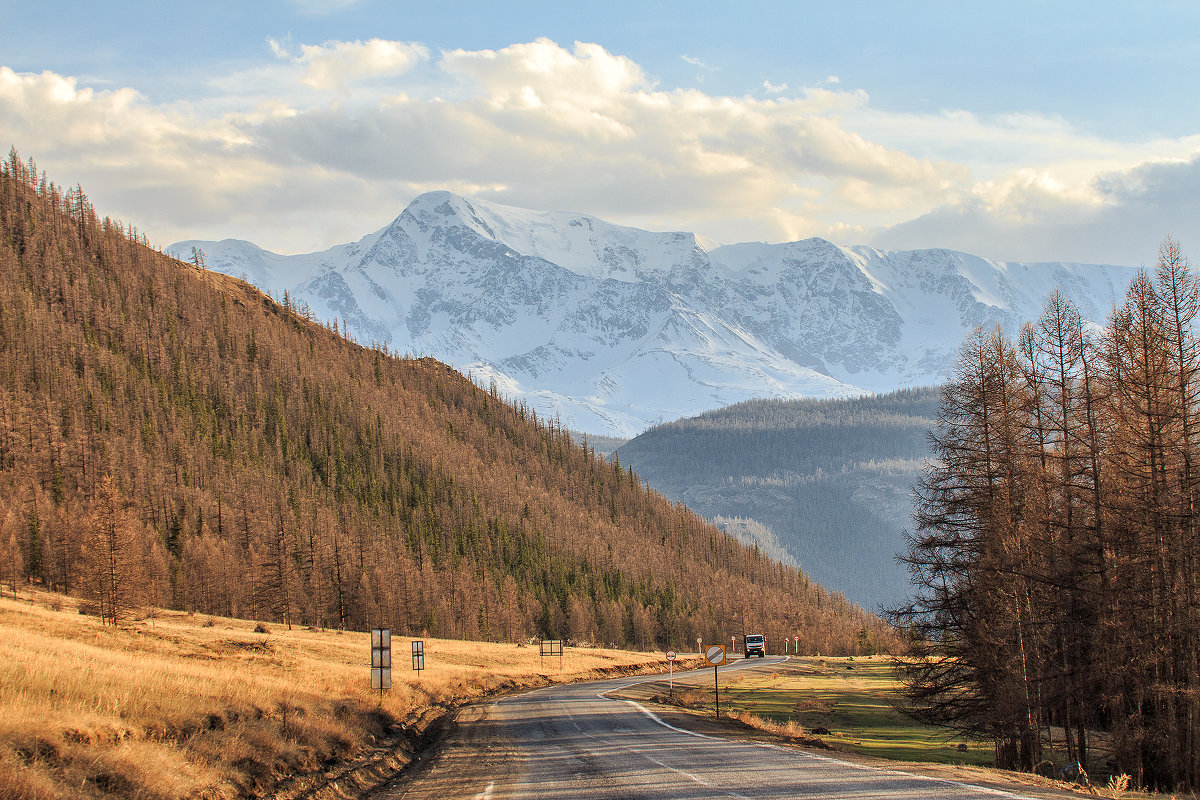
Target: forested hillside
{"points": [[830, 479], [172, 436]]}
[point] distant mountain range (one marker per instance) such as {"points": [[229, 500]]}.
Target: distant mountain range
{"points": [[614, 329]]}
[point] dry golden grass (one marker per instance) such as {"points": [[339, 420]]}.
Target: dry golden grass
{"points": [[696, 699], [178, 706]]}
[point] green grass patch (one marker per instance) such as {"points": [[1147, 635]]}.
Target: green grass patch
{"points": [[852, 698]]}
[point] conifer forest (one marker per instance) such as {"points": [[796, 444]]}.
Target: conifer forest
{"points": [[1056, 558], [170, 436]]}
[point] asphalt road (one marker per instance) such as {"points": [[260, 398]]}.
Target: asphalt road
{"points": [[575, 741]]}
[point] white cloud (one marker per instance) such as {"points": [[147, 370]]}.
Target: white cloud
{"points": [[1118, 217], [702, 69], [324, 142], [586, 129], [775, 88], [331, 66]]}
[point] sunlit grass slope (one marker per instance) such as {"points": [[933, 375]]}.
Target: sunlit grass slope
{"points": [[175, 706]]}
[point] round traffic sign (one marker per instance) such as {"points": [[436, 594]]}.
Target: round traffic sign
{"points": [[715, 654], [670, 655]]}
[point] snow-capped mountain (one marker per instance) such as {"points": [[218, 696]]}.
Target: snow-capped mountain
{"points": [[614, 328]]}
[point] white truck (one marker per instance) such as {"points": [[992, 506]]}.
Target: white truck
{"points": [[755, 645]]}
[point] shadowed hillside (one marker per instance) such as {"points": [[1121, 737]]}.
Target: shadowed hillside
{"points": [[829, 479]]}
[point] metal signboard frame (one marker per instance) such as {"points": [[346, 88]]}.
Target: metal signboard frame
{"points": [[381, 660], [418, 655], [551, 648]]}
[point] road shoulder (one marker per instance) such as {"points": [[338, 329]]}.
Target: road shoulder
{"points": [[475, 758], [647, 693]]}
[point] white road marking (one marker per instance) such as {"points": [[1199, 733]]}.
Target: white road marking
{"points": [[695, 778], [814, 756], [663, 722]]}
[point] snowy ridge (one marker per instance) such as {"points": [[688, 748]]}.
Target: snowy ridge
{"points": [[614, 329]]}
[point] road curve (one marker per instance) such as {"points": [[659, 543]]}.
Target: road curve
{"points": [[576, 741]]}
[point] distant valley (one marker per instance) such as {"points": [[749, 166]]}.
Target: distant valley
{"points": [[825, 484]]}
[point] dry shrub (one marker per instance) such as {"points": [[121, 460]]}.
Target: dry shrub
{"points": [[1117, 786], [789, 729]]}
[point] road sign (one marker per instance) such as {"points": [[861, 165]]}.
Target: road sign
{"points": [[418, 654], [671, 655], [715, 655], [552, 647], [381, 660]]}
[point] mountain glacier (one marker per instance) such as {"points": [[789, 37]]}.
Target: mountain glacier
{"points": [[613, 329]]}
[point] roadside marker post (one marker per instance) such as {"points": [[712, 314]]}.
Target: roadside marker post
{"points": [[715, 655], [552, 647], [796, 641], [381, 660], [418, 654], [671, 666]]}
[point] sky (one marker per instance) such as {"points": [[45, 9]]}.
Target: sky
{"points": [[1017, 130]]}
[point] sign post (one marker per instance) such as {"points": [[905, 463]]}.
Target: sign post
{"points": [[671, 666], [381, 660], [553, 647], [715, 655], [418, 654], [796, 641]]}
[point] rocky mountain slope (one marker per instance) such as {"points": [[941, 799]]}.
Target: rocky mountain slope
{"points": [[613, 329]]}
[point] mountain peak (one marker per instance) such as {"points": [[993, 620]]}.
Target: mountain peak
{"points": [[440, 202], [581, 243], [613, 327]]}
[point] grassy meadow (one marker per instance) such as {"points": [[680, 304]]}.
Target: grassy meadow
{"points": [[179, 706], [849, 697]]}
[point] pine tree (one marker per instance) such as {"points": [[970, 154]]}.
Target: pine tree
{"points": [[111, 579]]}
